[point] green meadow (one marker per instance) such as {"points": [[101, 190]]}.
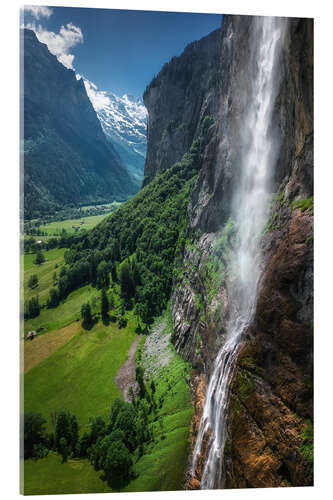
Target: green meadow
{"points": [[55, 228], [49, 476], [68, 311], [113, 205], [162, 466], [164, 460], [80, 375], [45, 272]]}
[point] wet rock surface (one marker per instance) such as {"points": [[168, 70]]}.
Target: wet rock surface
{"points": [[277, 359]]}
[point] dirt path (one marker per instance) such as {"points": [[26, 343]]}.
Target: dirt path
{"points": [[126, 373], [41, 347]]}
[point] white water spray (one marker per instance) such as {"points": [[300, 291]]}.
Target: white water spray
{"points": [[249, 210]]}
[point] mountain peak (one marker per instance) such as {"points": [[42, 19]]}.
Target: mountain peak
{"points": [[124, 122]]}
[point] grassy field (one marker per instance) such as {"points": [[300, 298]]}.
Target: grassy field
{"points": [[67, 312], [44, 345], [44, 272], [80, 375], [162, 466], [110, 206], [49, 476], [55, 228]]}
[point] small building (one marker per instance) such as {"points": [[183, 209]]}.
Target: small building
{"points": [[31, 335]]}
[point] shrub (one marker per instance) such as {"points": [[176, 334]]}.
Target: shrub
{"points": [[122, 322], [39, 259], [39, 451]]}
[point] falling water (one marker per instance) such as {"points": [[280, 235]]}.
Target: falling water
{"points": [[249, 210]]}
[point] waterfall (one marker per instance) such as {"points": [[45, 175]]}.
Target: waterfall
{"points": [[249, 210]]}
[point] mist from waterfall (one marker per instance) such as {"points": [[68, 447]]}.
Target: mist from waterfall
{"points": [[252, 192]]}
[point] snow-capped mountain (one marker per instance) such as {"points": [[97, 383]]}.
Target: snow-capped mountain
{"points": [[124, 122]]}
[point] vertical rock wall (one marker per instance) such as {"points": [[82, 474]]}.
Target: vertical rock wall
{"points": [[271, 396], [177, 99]]}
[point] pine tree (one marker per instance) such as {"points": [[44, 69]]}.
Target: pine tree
{"points": [[114, 274], [63, 429], [32, 308], [33, 281], [53, 299], [86, 315], [104, 305], [74, 432], [126, 282], [63, 449], [103, 279]]}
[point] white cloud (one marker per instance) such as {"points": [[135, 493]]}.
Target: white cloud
{"points": [[60, 43], [38, 11], [99, 98], [66, 60]]}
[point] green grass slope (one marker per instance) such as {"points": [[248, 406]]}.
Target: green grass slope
{"points": [[68, 311], [49, 476], [44, 272], [163, 464], [80, 375], [55, 228]]}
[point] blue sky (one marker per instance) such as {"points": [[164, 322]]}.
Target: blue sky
{"points": [[118, 50]]}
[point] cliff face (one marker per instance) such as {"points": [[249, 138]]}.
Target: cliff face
{"points": [[67, 158], [177, 99], [270, 412]]}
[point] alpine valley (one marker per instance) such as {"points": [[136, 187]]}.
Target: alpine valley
{"points": [[67, 157], [173, 342]]}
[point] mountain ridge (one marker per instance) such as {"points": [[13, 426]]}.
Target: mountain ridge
{"points": [[124, 123], [67, 158]]}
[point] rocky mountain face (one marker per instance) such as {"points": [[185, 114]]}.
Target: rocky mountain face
{"points": [[124, 123], [177, 99], [271, 397], [67, 158]]}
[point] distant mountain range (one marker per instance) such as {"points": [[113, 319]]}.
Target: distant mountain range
{"points": [[124, 122], [66, 156]]}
